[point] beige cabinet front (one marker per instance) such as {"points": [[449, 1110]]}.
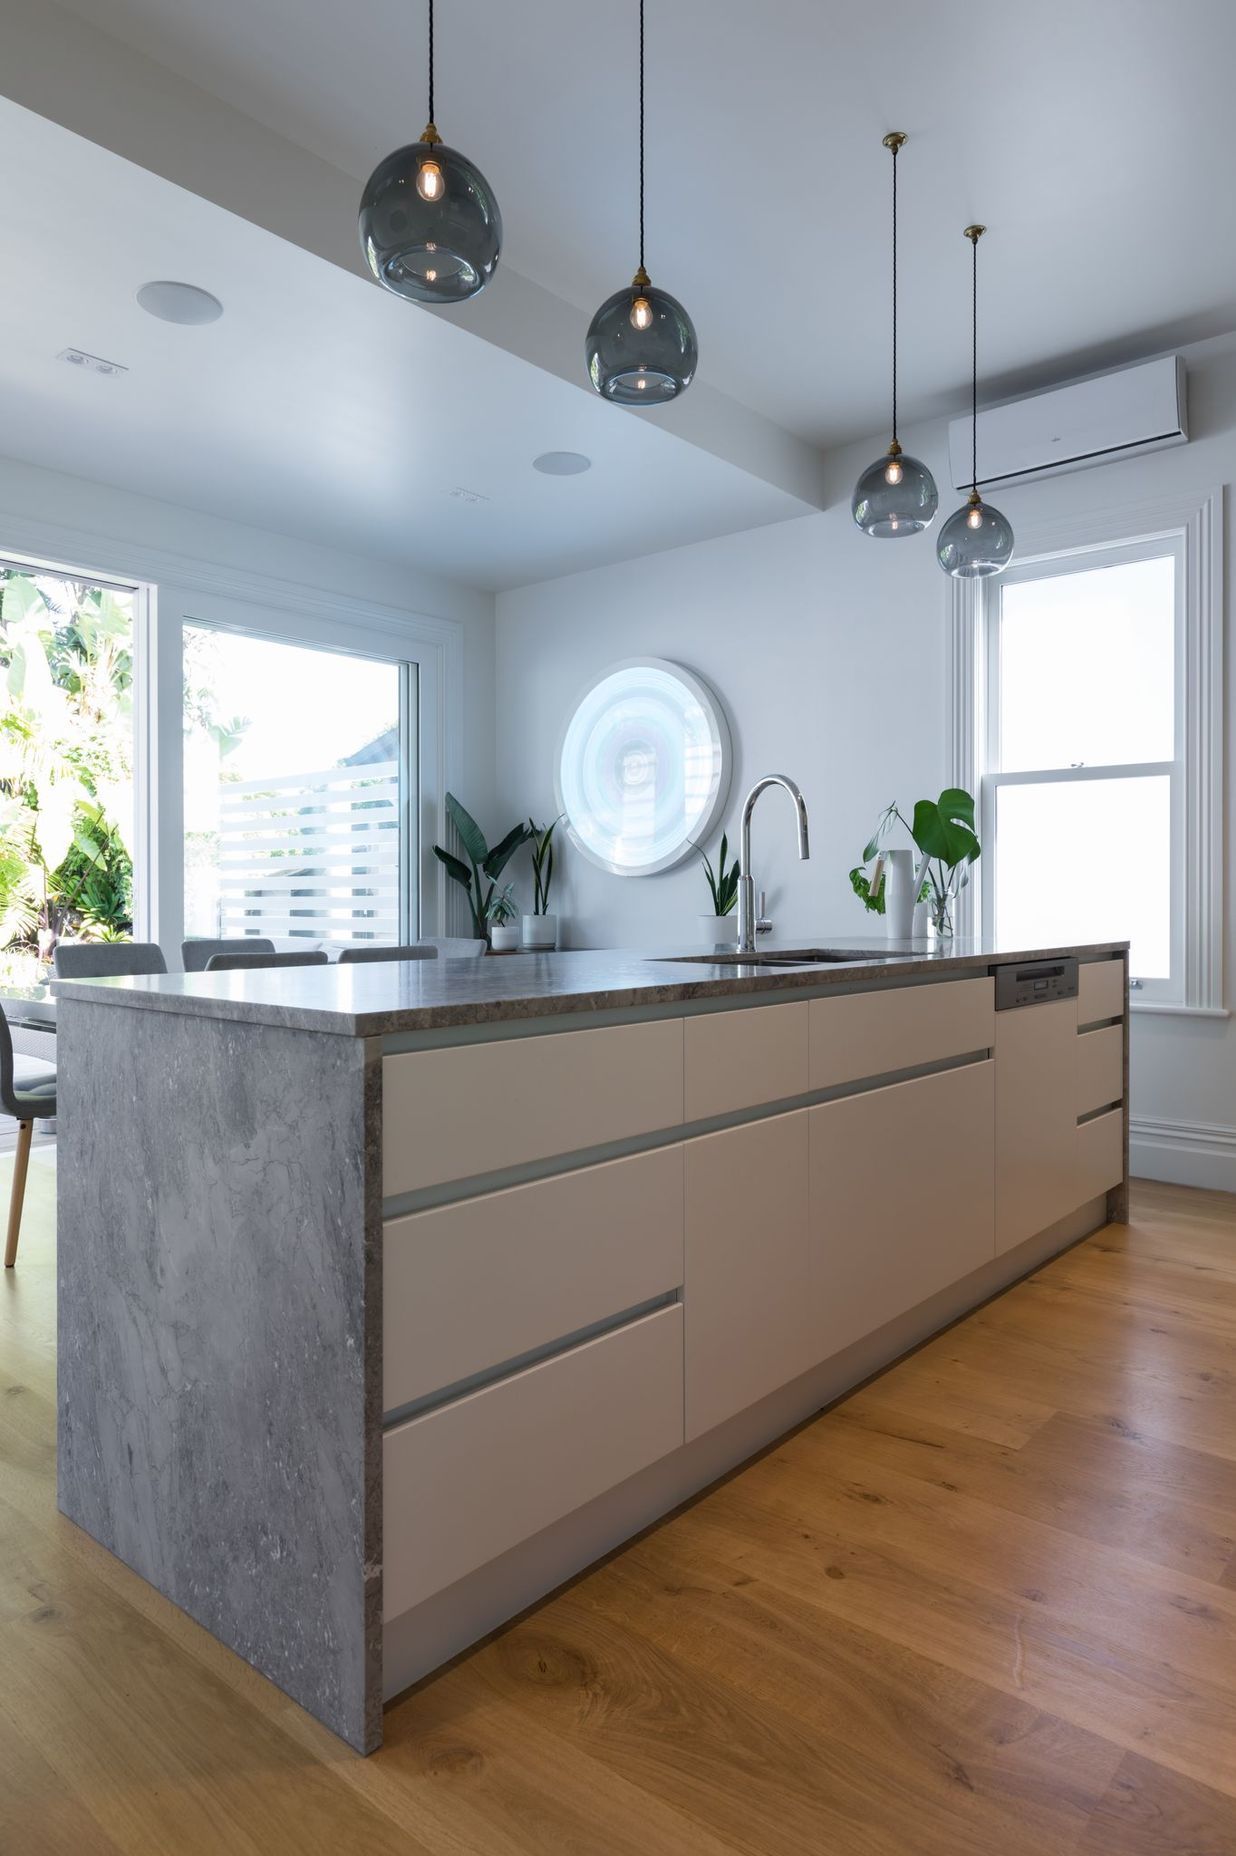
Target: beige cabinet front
{"points": [[747, 1327], [1036, 1119], [902, 1199]]}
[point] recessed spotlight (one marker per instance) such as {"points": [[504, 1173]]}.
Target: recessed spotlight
{"points": [[185, 303], [562, 463], [90, 363]]}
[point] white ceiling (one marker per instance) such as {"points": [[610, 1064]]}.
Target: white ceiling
{"points": [[1090, 137], [318, 405]]}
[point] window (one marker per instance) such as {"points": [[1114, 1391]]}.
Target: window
{"points": [[296, 814], [1087, 690], [69, 853]]}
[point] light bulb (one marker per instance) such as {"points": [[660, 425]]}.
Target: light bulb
{"points": [[641, 313], [641, 381], [429, 182], [431, 277], [975, 517], [893, 472]]}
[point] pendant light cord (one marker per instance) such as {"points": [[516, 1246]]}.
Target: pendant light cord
{"points": [[641, 133], [974, 365], [895, 152], [431, 114]]}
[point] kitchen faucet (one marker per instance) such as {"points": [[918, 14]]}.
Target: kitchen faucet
{"points": [[746, 882]]}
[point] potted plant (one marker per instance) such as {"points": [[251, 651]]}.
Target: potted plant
{"points": [[479, 875], [503, 911], [541, 928], [723, 888], [942, 831]]}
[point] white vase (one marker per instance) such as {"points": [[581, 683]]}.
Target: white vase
{"points": [[540, 931], [719, 930], [504, 937], [900, 890]]}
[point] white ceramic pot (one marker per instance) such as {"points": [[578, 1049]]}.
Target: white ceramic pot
{"points": [[719, 930], [900, 890], [504, 937], [540, 931]]}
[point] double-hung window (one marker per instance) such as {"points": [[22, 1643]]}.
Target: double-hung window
{"points": [[1096, 748]]}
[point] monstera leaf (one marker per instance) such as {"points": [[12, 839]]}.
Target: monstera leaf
{"points": [[944, 828]]}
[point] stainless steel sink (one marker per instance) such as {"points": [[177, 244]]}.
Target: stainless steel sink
{"points": [[788, 957]]}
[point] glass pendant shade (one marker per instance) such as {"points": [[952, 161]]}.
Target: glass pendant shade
{"points": [[975, 543], [641, 348], [430, 227], [895, 496]]}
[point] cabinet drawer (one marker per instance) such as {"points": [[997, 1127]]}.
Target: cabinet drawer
{"points": [[476, 1108], [902, 1198], [467, 1287], [1100, 991], [1100, 1068], [747, 1269], [1100, 1155], [736, 1060], [872, 1033], [464, 1483]]}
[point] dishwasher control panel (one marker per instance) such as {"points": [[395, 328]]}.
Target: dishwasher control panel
{"points": [[1035, 982]]}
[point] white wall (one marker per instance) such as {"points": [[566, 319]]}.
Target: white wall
{"points": [[829, 652]]}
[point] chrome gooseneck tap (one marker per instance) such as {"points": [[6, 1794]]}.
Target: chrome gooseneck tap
{"points": [[746, 883]]}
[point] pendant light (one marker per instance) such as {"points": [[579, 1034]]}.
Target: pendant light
{"points": [[977, 541], [430, 227], [641, 348], [897, 494]]}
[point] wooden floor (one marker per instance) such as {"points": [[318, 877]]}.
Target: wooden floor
{"points": [[986, 1607]]}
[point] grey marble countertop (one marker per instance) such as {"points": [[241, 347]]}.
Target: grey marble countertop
{"points": [[430, 995]]}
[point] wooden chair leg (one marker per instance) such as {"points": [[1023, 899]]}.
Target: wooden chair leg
{"points": [[21, 1161]]}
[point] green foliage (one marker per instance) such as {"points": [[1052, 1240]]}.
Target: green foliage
{"points": [[942, 829], [66, 739], [503, 907], [541, 838], [483, 865], [722, 880]]}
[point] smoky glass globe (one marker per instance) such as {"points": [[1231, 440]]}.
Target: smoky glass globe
{"points": [[430, 227], [895, 496], [641, 348], [975, 543]]}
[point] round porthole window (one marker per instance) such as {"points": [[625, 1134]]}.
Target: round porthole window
{"points": [[644, 769]]}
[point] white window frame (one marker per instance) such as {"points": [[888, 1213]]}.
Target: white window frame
{"points": [[174, 590], [1191, 530]]}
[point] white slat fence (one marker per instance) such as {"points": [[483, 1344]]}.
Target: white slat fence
{"points": [[312, 855]]}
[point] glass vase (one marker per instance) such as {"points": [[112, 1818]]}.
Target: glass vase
{"points": [[942, 906]]}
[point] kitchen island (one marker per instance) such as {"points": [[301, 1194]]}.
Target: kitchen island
{"points": [[391, 1296]]}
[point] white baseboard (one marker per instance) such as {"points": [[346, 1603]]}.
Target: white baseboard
{"points": [[1185, 1153]]}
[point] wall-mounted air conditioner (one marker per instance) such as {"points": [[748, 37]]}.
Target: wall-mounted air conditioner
{"points": [[1088, 422]]}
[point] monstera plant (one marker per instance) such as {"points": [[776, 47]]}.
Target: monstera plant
{"points": [[943, 831], [479, 875]]}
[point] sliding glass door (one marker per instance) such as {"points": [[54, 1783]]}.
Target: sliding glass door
{"points": [[299, 791]]}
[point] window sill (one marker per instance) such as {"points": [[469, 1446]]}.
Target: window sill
{"points": [[1163, 1008]]}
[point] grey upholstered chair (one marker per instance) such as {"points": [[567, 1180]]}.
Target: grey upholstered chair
{"points": [[455, 947], [94, 960], [360, 951], [245, 963], [196, 954], [28, 1094]]}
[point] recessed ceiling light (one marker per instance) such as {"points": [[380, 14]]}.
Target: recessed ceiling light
{"points": [[90, 363], [562, 463], [172, 302]]}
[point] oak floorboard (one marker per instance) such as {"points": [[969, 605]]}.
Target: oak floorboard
{"points": [[986, 1606]]}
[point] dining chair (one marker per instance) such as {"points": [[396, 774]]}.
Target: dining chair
{"points": [[28, 1094], [197, 953], [455, 947], [245, 963], [94, 960], [350, 956]]}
